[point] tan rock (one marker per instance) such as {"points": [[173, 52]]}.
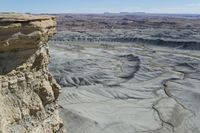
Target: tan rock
{"points": [[28, 93]]}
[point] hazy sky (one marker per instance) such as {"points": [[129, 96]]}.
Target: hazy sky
{"points": [[98, 6]]}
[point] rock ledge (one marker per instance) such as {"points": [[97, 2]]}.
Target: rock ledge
{"points": [[28, 93]]}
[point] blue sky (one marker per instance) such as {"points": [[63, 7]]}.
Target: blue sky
{"points": [[99, 6]]}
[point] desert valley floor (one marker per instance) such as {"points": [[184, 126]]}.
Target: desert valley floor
{"points": [[120, 80]]}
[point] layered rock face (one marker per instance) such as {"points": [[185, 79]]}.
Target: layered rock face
{"points": [[28, 93]]}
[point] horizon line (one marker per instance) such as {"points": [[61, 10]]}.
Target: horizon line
{"points": [[106, 12]]}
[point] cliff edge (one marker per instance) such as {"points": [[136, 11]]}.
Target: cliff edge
{"points": [[28, 93]]}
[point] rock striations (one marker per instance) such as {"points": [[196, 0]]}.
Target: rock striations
{"points": [[28, 93]]}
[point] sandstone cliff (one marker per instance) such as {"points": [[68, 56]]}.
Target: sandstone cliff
{"points": [[28, 93]]}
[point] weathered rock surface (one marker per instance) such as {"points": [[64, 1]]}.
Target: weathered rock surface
{"points": [[28, 93], [127, 88]]}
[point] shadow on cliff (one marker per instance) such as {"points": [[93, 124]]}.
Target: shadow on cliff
{"points": [[13, 59]]}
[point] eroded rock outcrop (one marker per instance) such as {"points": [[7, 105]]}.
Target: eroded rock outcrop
{"points": [[28, 93]]}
